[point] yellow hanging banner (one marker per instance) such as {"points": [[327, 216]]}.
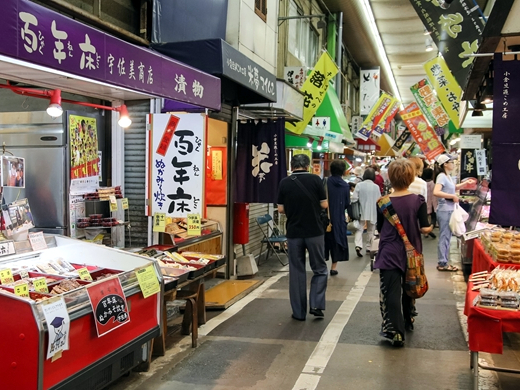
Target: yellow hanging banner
{"points": [[447, 88], [314, 89]]}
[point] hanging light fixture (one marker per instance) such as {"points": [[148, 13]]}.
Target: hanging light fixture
{"points": [[319, 143], [426, 32], [124, 119], [54, 109], [309, 142], [429, 44]]}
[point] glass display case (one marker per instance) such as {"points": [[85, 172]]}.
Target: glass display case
{"points": [[91, 358]]}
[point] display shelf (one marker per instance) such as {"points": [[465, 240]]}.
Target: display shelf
{"points": [[106, 227]]}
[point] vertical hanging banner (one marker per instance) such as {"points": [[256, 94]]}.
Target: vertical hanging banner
{"points": [[260, 161], [400, 141], [375, 114], [430, 106], [369, 89], [421, 131], [480, 155], [456, 28], [383, 123], [175, 180], [468, 168], [314, 89], [447, 88], [505, 208]]}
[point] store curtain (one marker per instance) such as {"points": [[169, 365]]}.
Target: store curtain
{"points": [[505, 183], [260, 161]]}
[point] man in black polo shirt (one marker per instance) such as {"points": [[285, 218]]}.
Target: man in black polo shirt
{"points": [[301, 197]]}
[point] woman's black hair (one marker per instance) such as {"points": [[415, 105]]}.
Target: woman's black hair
{"points": [[437, 170], [369, 174], [338, 167], [427, 174]]}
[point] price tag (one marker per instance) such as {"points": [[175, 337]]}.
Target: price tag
{"points": [[148, 282], [24, 274], [113, 203], [124, 203], [159, 222], [84, 274], [40, 285], [37, 241], [22, 290], [6, 276], [7, 248], [194, 225]]}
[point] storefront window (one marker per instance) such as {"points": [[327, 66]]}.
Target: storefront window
{"points": [[303, 38]]}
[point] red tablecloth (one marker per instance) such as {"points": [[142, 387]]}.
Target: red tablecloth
{"points": [[483, 262], [485, 326]]}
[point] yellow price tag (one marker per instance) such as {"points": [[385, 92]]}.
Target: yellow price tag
{"points": [[6, 276], [159, 222], [84, 274], [113, 203], [40, 285], [194, 225], [148, 282], [124, 203], [22, 290]]}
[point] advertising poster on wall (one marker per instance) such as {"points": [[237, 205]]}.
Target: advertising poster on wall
{"points": [[175, 176], [13, 171], [84, 168]]}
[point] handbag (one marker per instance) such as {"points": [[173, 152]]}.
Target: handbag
{"points": [[324, 214], [415, 283], [356, 210]]}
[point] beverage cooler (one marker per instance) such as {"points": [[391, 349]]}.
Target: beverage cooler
{"points": [[81, 347]]}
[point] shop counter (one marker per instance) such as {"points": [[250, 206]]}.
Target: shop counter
{"points": [[482, 261]]}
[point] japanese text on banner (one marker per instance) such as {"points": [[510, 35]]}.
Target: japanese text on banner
{"points": [[384, 122], [430, 106], [376, 113], [314, 89]]}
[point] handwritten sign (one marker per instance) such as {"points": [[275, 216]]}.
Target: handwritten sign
{"points": [[167, 136], [159, 222], [58, 324], [113, 203], [37, 241], [148, 282], [84, 274], [7, 248], [109, 305], [23, 274], [194, 225], [124, 203], [22, 290], [40, 285], [6, 276]]}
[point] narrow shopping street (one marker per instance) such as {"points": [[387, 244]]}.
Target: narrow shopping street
{"points": [[255, 344]]}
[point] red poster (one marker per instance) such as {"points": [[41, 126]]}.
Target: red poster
{"points": [[421, 131], [109, 305], [167, 136]]}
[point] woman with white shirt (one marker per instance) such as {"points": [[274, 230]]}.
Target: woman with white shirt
{"points": [[367, 193], [444, 190]]}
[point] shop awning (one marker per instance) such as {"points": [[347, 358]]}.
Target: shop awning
{"points": [[243, 80], [331, 107]]}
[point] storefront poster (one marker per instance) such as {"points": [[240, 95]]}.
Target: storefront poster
{"points": [[447, 88], [58, 325], [84, 168], [295, 75], [480, 155], [430, 106], [13, 171], [176, 180], [17, 217], [376, 113], [421, 131], [216, 176], [109, 305], [369, 89], [314, 89]]}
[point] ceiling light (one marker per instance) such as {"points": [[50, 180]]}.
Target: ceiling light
{"points": [[309, 142], [319, 147], [429, 44], [124, 120], [426, 32], [54, 109], [454, 141]]}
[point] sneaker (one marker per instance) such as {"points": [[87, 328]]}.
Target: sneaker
{"points": [[358, 251], [397, 341], [316, 312]]}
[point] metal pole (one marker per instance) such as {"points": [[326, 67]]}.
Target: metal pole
{"points": [[232, 148], [489, 54], [339, 53], [302, 17]]}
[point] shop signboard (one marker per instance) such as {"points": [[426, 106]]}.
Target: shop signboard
{"points": [[470, 141], [295, 75], [109, 305], [447, 88], [176, 179], [314, 89], [456, 28], [421, 131], [376, 113], [468, 168], [44, 37], [369, 89], [430, 106]]}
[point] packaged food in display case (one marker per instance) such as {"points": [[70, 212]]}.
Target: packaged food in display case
{"points": [[129, 325]]}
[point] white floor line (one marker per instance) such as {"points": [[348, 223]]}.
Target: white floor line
{"points": [[205, 329], [321, 355]]}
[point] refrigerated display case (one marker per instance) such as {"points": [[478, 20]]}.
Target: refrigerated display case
{"points": [[92, 361]]}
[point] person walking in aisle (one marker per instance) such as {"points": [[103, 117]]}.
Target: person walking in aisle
{"points": [[367, 193], [301, 197], [418, 185], [431, 200], [379, 179], [444, 190], [338, 196], [396, 306]]}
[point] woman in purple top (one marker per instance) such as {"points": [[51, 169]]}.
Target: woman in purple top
{"points": [[396, 306]]}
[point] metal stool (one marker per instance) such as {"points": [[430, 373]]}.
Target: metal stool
{"points": [[190, 315]]}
